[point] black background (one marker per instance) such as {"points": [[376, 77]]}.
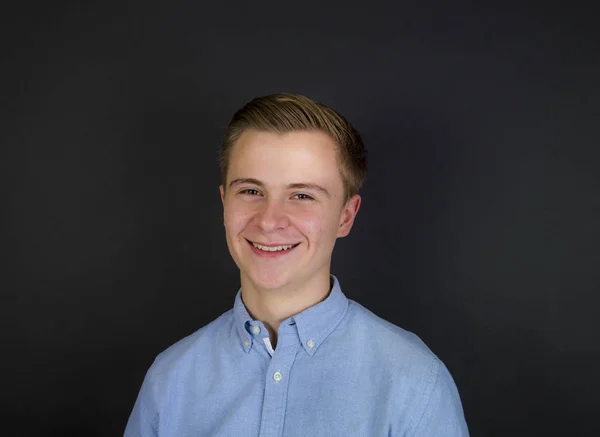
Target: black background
{"points": [[478, 230]]}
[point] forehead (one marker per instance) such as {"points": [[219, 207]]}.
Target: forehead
{"points": [[298, 156]]}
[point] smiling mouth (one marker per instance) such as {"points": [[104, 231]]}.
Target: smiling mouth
{"points": [[280, 248]]}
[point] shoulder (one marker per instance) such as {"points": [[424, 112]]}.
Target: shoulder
{"points": [[398, 355], [192, 349], [421, 384], [384, 334]]}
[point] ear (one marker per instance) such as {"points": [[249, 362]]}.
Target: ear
{"points": [[222, 191], [348, 214]]}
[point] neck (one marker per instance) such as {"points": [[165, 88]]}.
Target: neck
{"points": [[273, 306]]}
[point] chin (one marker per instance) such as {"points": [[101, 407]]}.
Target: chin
{"points": [[269, 280]]}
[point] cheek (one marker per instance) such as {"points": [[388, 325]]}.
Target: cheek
{"points": [[316, 224], [235, 219]]}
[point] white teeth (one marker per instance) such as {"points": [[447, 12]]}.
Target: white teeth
{"points": [[272, 249]]}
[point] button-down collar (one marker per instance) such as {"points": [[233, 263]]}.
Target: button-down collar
{"points": [[313, 325]]}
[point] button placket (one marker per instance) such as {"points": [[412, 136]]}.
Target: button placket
{"points": [[277, 384]]}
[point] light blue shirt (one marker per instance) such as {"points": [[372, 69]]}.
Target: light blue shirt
{"points": [[337, 370]]}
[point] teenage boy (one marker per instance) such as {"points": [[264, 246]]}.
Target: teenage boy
{"points": [[294, 357]]}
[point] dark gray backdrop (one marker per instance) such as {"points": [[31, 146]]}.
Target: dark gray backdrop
{"points": [[478, 230]]}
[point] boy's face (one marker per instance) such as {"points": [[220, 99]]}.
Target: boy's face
{"points": [[272, 198]]}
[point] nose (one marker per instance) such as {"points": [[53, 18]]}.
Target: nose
{"points": [[272, 216]]}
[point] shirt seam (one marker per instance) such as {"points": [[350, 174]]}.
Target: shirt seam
{"points": [[147, 392], [437, 377]]}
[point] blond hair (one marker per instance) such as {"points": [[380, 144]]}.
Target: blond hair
{"points": [[283, 113]]}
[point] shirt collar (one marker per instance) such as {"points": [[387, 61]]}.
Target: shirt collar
{"points": [[313, 325]]}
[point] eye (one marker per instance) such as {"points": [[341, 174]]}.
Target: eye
{"points": [[301, 196], [250, 192]]}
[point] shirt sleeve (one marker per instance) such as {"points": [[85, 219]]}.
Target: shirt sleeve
{"points": [[143, 418], [443, 414]]}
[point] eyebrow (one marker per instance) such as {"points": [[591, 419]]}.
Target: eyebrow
{"points": [[297, 185]]}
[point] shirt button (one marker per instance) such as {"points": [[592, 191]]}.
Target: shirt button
{"points": [[256, 330], [310, 344], [277, 376], [246, 344]]}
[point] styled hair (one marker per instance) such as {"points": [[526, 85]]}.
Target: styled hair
{"points": [[284, 113]]}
